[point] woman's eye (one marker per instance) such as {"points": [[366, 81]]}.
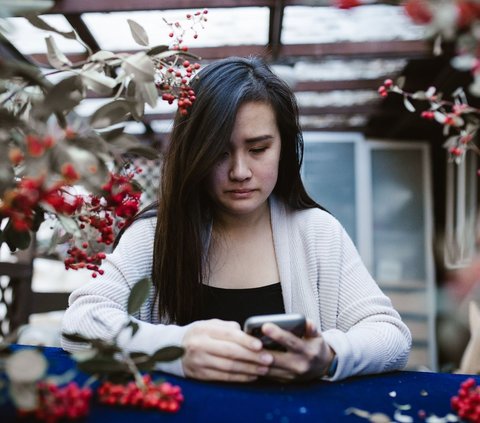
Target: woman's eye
{"points": [[258, 150]]}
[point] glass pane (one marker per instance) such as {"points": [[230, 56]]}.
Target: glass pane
{"points": [[398, 215], [243, 25], [329, 177], [304, 24], [28, 39]]}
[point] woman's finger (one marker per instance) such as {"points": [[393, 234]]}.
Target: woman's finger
{"points": [[234, 366], [289, 340], [234, 351], [231, 331]]}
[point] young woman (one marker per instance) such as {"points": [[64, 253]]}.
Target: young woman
{"points": [[235, 234]]}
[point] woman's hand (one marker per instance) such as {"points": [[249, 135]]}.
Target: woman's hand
{"points": [[220, 350], [306, 358]]}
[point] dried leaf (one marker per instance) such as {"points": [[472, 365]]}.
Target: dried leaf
{"points": [[24, 395], [55, 57], [147, 93], [65, 95], [419, 95], [63, 378], [127, 143], [102, 56], [138, 33], [110, 114], [400, 82], [69, 224], [358, 412], [402, 418], [138, 295], [26, 366], [380, 418], [140, 65], [98, 82], [38, 22], [408, 105]]}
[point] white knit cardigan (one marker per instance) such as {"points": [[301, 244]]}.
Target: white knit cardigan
{"points": [[322, 277]]}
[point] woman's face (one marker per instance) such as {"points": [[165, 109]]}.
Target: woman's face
{"points": [[246, 173]]}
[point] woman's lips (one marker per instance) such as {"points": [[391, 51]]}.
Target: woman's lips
{"points": [[241, 193]]}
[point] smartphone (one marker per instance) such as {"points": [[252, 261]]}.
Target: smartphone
{"points": [[294, 323]]}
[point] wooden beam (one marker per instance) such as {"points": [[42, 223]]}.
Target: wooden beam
{"points": [[361, 109], [379, 49], [90, 6], [83, 31], [275, 28], [208, 53], [326, 86], [386, 49]]}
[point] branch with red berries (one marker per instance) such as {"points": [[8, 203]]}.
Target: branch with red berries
{"points": [[460, 121], [125, 377], [76, 170]]}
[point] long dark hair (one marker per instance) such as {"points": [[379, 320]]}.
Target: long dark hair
{"points": [[184, 208]]}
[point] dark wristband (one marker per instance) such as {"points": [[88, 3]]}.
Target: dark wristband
{"points": [[333, 367]]}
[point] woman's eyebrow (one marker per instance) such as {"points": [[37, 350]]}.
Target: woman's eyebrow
{"points": [[259, 138]]}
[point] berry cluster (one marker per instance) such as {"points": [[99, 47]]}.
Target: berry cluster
{"points": [[55, 403], [467, 402], [173, 76], [383, 89], [119, 198], [22, 203], [163, 396]]}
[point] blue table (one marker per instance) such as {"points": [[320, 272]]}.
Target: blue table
{"points": [[273, 402]]}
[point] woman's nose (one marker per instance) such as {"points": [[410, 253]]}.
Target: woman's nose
{"points": [[240, 169]]}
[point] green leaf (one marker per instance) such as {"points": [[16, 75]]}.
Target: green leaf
{"points": [[55, 57], [134, 326], [103, 365], [75, 337], [138, 295], [140, 66], [138, 33], [157, 50], [109, 114], [16, 240], [168, 353]]}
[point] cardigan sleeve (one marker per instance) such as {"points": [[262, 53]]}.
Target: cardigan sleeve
{"points": [[369, 335], [99, 309]]}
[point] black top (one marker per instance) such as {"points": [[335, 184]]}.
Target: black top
{"points": [[239, 304]]}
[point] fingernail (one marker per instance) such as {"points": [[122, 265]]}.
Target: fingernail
{"points": [[266, 358], [257, 344], [267, 329]]}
